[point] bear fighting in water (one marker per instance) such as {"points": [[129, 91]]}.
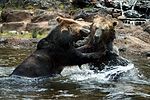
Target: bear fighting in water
{"points": [[54, 52], [101, 40], [62, 48]]}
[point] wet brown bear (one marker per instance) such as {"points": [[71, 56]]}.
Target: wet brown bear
{"points": [[53, 53], [101, 36], [101, 40]]}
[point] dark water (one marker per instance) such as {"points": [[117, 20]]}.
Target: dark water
{"points": [[74, 83]]}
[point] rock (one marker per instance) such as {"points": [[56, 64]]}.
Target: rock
{"points": [[121, 17], [46, 4], [19, 43], [85, 15], [43, 15], [2, 2], [146, 27], [11, 26], [116, 15], [82, 3], [38, 27], [13, 32], [9, 15], [3, 41], [41, 18], [132, 40], [89, 14], [147, 54], [132, 14], [143, 7], [139, 7]]}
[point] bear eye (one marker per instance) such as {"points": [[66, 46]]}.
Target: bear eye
{"points": [[102, 30]]}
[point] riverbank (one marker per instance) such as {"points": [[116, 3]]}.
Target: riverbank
{"points": [[32, 24], [130, 40]]}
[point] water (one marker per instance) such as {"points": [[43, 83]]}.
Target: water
{"points": [[131, 82], [128, 3], [122, 12], [133, 2]]}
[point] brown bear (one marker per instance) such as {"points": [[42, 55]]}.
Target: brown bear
{"points": [[101, 36], [80, 28], [101, 40], [53, 53]]}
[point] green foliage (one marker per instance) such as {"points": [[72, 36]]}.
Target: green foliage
{"points": [[30, 7], [49, 9], [23, 36], [61, 6], [34, 34], [73, 10]]}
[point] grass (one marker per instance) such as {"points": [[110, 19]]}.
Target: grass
{"points": [[22, 36]]}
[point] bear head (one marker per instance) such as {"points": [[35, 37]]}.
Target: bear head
{"points": [[78, 29], [103, 31], [65, 33]]}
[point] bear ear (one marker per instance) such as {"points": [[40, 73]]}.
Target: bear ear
{"points": [[59, 19], [115, 23]]}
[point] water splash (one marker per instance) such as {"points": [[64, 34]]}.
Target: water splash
{"points": [[121, 7], [117, 81], [108, 74], [5, 71], [130, 3]]}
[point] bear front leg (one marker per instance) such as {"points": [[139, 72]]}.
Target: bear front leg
{"points": [[78, 58]]}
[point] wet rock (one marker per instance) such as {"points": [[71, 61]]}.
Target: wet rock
{"points": [[85, 15], [82, 3], [9, 15], [88, 15], [105, 10], [143, 7], [132, 14], [11, 26], [3, 41], [139, 7]]}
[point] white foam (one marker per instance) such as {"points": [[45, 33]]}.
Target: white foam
{"points": [[77, 74]]}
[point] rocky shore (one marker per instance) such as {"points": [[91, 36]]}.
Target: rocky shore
{"points": [[130, 39]]}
